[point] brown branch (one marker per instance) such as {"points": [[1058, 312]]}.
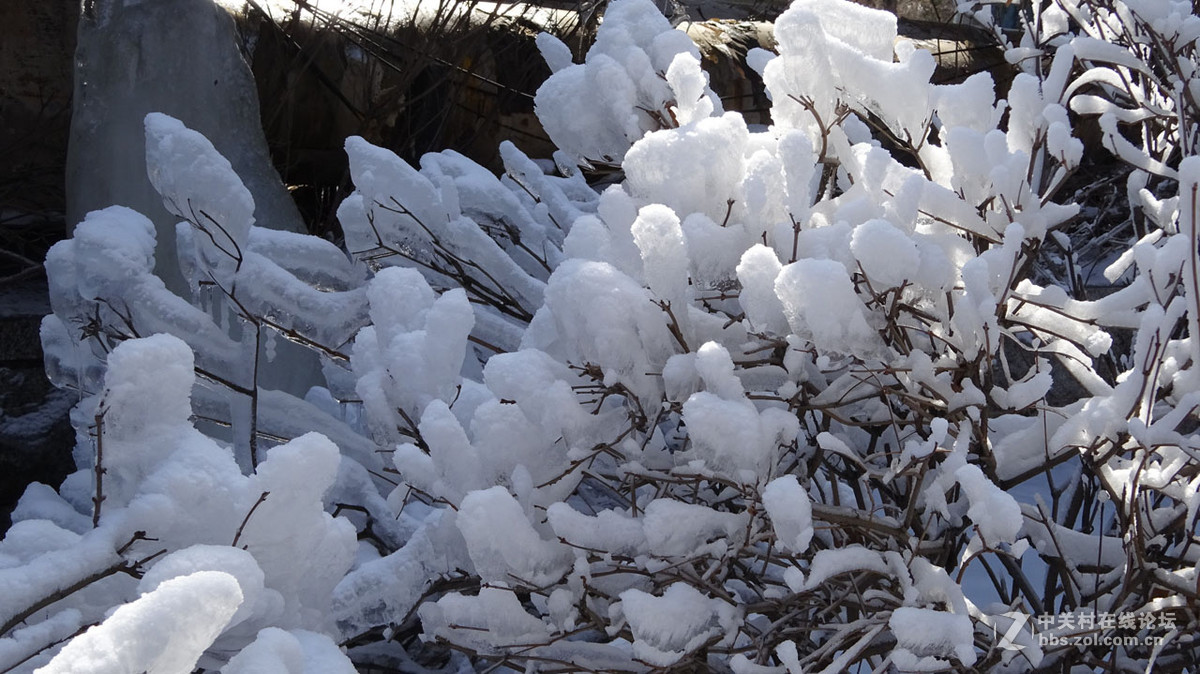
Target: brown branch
{"points": [[133, 568], [241, 527], [99, 469]]}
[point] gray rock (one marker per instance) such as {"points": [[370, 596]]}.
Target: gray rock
{"points": [[179, 57], [36, 437]]}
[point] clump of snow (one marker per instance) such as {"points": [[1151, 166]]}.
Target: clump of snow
{"points": [[713, 249], [693, 100], [597, 109], [596, 312], [451, 466], [25, 643], [163, 632], [791, 512], [667, 627], [757, 271], [993, 510], [302, 550], [276, 651], [829, 563], [28, 539], [606, 530], [724, 426], [969, 103], [257, 601], [555, 53], [273, 651], [41, 503], [675, 528], [145, 407], [820, 303], [540, 387], [658, 235], [491, 618], [379, 175], [24, 585], [200, 186], [887, 255], [414, 350], [502, 542], [928, 632], [695, 168]]}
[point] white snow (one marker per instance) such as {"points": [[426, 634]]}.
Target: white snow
{"points": [[555, 53], [667, 627], [886, 254], [928, 632], [658, 235], [163, 632], [993, 510], [791, 512], [829, 563], [413, 352], [233, 561], [597, 312], [606, 530], [492, 618], [727, 434], [503, 544], [26, 642], [693, 100], [274, 651], [757, 271], [200, 186], [675, 528], [597, 109], [695, 168], [820, 303]]}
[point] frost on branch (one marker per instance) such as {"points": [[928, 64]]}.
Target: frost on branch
{"points": [[632, 79], [167, 503], [413, 352], [784, 399]]}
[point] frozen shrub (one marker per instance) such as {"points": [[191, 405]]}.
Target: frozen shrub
{"points": [[782, 400]]}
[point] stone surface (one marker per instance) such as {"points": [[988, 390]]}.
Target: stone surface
{"points": [[36, 437], [37, 43], [35, 54], [22, 306], [179, 57], [35, 432]]}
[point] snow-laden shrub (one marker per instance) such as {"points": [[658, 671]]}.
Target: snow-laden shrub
{"points": [[783, 400]]}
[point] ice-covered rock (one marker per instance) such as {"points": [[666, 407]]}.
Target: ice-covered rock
{"points": [[179, 57]]}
